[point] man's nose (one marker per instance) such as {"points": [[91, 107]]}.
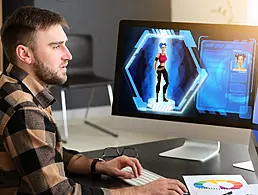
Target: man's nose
{"points": [[68, 55]]}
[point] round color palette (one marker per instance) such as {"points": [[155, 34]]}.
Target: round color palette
{"points": [[218, 184]]}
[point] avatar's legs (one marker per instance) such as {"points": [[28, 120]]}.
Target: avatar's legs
{"points": [[158, 84], [165, 76]]}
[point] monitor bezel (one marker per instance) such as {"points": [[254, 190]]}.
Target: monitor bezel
{"points": [[169, 25]]}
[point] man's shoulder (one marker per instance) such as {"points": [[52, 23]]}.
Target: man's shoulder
{"points": [[14, 95]]}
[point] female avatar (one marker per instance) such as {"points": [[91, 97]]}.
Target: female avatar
{"points": [[240, 60], [161, 70]]}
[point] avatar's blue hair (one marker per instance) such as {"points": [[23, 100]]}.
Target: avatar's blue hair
{"points": [[161, 44]]}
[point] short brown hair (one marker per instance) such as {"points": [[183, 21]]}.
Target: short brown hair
{"points": [[21, 27]]}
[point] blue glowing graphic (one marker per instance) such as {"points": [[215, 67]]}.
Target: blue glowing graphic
{"points": [[227, 87], [186, 74]]}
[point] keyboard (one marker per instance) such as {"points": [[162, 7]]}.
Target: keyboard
{"points": [[144, 178]]}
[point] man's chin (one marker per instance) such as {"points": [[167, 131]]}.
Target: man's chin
{"points": [[63, 80]]}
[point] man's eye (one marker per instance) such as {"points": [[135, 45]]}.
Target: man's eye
{"points": [[56, 47]]}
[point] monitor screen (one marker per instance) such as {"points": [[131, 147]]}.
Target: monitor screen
{"points": [[197, 73]]}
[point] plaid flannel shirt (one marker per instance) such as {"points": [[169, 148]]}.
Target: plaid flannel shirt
{"points": [[32, 159]]}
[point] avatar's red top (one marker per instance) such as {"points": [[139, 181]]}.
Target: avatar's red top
{"points": [[162, 58]]}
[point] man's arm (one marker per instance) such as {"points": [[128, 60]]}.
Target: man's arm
{"points": [[30, 139], [130, 191], [76, 162]]}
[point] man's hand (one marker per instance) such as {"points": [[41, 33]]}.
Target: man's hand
{"points": [[159, 187], [114, 166]]}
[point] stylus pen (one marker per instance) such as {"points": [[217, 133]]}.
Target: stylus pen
{"points": [[228, 193]]}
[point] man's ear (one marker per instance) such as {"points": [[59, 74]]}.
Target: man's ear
{"points": [[24, 54]]}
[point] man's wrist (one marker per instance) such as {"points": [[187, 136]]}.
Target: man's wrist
{"points": [[100, 167], [97, 166]]}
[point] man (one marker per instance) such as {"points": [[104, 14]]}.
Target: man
{"points": [[33, 160]]}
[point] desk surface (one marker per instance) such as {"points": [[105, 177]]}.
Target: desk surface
{"points": [[175, 168]]}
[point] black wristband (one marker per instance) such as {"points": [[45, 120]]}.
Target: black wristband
{"points": [[93, 164]]}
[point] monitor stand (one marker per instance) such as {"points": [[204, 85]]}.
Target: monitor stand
{"points": [[198, 150], [247, 165]]}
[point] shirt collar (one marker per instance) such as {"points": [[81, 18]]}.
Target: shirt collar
{"points": [[41, 94]]}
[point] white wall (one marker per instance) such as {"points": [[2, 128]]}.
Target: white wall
{"points": [[200, 11], [253, 13]]}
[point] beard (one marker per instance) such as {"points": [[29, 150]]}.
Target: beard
{"points": [[46, 74]]}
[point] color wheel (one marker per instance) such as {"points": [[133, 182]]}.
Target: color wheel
{"points": [[218, 184]]}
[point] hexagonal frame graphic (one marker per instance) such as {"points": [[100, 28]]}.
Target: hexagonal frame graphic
{"points": [[187, 37]]}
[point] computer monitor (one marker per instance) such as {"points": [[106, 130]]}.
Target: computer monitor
{"points": [[253, 144], [252, 165], [194, 80]]}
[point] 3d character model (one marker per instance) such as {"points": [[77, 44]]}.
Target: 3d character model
{"points": [[240, 60], [161, 70]]}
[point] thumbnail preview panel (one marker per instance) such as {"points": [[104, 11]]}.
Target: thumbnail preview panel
{"points": [[176, 73]]}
